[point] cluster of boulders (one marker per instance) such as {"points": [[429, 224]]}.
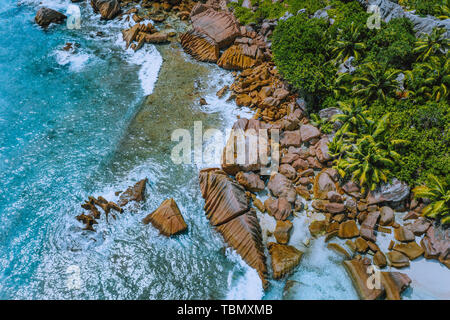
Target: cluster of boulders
{"points": [[167, 218], [143, 33], [216, 30], [133, 193]]}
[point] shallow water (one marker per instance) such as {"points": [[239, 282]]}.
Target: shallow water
{"points": [[93, 123]]}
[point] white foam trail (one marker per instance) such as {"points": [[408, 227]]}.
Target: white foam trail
{"points": [[75, 61], [246, 286], [150, 61]]}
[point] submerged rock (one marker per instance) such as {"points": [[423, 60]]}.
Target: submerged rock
{"points": [[45, 16], [167, 218], [134, 193]]}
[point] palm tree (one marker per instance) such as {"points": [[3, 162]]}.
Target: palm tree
{"points": [[347, 44], [376, 81], [438, 193], [437, 78], [432, 44], [354, 116], [369, 160]]}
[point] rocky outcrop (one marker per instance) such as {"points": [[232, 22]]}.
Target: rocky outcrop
{"points": [[45, 16], [391, 284], [348, 229], [250, 181], [134, 193], [284, 259], [280, 186], [224, 198], [279, 208], [398, 259], [200, 46], [411, 249], [244, 235], [436, 245], [390, 10], [323, 184], [108, 9], [167, 218], [282, 231], [237, 57], [91, 205], [395, 191], [227, 208], [220, 26]]}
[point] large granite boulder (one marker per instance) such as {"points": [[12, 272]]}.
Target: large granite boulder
{"points": [[279, 208], [395, 191], [250, 181], [390, 10], [224, 198], [227, 208], [220, 26], [280, 186], [284, 258], [322, 185], [390, 286], [238, 57], [108, 9], [244, 235], [200, 46], [167, 218], [45, 16]]}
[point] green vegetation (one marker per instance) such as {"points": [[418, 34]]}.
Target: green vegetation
{"points": [[438, 193], [395, 120], [437, 8], [266, 9]]}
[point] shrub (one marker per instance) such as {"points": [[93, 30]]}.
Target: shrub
{"points": [[393, 44], [300, 52]]}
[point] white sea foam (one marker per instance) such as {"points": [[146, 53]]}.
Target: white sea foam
{"points": [[243, 281], [75, 61], [150, 61]]}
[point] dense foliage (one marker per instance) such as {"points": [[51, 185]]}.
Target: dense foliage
{"points": [[438, 192], [393, 73], [266, 9], [437, 8]]}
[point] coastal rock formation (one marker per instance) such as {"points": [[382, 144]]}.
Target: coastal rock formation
{"points": [[244, 235], [227, 208], [167, 218], [282, 231], [237, 57], [133, 193], [45, 16], [395, 191], [279, 208], [200, 46], [220, 26], [284, 258], [348, 229], [322, 185], [108, 9], [250, 181], [224, 198], [390, 10], [391, 284], [398, 259], [280, 186], [411, 249]]}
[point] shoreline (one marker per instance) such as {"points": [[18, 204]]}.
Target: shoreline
{"points": [[274, 114]]}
